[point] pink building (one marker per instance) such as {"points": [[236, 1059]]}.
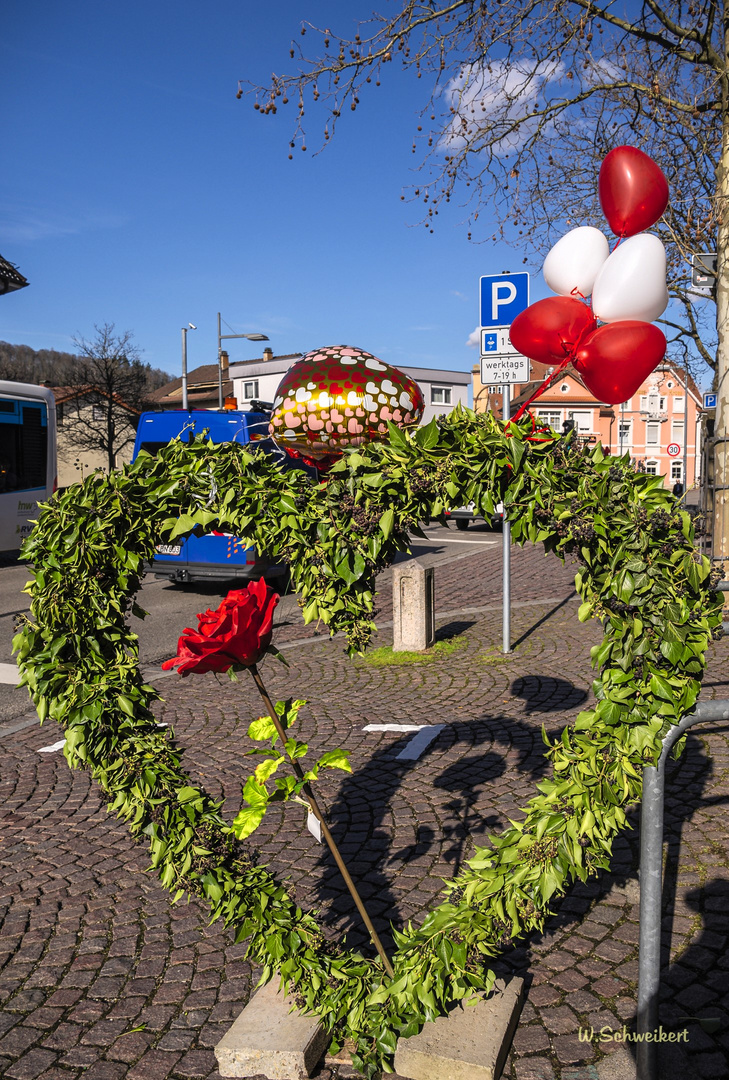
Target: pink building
{"points": [[663, 411]]}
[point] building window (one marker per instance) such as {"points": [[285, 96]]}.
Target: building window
{"points": [[652, 434], [494, 389], [652, 401], [250, 389], [651, 467], [551, 418], [625, 429], [677, 431], [98, 412], [565, 388], [582, 419], [669, 384], [440, 395], [678, 404], [676, 470]]}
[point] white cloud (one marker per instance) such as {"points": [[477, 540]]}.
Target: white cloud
{"points": [[474, 339], [25, 224], [600, 70], [498, 95]]}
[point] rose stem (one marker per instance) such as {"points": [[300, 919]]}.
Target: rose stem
{"points": [[324, 827]]}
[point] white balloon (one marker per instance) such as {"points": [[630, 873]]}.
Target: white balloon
{"points": [[575, 261], [632, 283]]}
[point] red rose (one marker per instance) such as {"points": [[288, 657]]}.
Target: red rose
{"points": [[239, 632]]}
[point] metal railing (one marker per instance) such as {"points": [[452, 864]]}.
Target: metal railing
{"points": [[651, 883]]}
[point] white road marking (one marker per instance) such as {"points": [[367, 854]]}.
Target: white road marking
{"points": [[434, 539], [395, 727], [419, 743], [9, 674], [53, 747]]}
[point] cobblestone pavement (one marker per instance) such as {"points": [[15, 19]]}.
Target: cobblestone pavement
{"points": [[101, 977]]}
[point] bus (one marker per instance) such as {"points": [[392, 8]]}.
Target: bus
{"points": [[216, 555], [28, 473]]}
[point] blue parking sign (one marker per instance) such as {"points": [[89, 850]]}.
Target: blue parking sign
{"points": [[503, 297], [709, 401]]}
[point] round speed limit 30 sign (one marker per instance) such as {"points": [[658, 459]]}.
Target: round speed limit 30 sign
{"points": [[673, 449]]}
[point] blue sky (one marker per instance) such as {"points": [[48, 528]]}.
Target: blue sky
{"points": [[137, 190]]}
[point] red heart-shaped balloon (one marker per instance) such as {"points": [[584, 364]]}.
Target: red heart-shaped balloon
{"points": [[633, 191], [615, 359], [549, 330]]}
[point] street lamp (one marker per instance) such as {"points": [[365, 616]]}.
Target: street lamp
{"points": [[224, 337], [190, 326]]}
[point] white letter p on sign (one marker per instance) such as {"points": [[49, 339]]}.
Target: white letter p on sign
{"points": [[502, 294]]}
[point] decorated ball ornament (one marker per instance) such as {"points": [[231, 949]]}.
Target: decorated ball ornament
{"points": [[340, 396]]}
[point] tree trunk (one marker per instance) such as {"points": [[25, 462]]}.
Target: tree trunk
{"points": [[720, 544]]}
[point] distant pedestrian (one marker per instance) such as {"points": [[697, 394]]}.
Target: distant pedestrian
{"points": [[678, 489]]}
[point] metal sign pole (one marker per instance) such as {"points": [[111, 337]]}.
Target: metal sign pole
{"points": [[506, 548], [502, 298]]}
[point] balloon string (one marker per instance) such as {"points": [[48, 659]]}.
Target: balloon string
{"points": [[541, 389], [618, 242]]}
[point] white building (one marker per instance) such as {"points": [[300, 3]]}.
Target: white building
{"points": [[259, 379]]}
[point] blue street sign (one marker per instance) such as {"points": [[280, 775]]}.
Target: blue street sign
{"points": [[490, 342], [709, 401], [503, 298]]}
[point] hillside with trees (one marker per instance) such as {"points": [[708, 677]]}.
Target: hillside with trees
{"points": [[23, 364]]}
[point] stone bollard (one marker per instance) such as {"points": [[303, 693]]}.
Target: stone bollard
{"points": [[413, 607]]}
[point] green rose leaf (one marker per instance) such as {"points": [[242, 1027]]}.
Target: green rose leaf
{"points": [[335, 759]]}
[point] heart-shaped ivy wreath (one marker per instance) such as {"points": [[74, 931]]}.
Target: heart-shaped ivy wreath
{"points": [[640, 575]]}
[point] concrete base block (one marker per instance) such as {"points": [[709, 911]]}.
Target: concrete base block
{"points": [[413, 607], [471, 1043], [268, 1039]]}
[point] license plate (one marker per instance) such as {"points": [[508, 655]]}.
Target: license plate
{"points": [[169, 549]]}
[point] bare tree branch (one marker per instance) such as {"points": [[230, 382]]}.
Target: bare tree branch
{"points": [[523, 101], [111, 378]]}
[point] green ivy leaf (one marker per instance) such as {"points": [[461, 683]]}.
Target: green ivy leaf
{"points": [[661, 687], [187, 794], [398, 439], [184, 525], [427, 436]]}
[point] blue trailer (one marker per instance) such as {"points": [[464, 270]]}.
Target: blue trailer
{"points": [[214, 556]]}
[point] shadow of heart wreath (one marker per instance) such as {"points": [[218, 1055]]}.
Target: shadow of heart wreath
{"points": [[640, 575]]}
